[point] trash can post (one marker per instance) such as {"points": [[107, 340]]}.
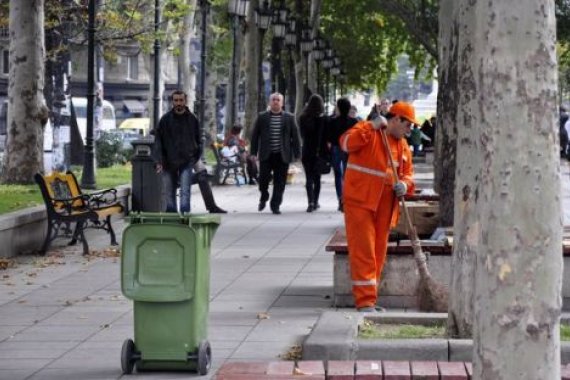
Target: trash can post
{"points": [[146, 186]]}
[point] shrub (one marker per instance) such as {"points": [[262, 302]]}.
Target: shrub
{"points": [[110, 150]]}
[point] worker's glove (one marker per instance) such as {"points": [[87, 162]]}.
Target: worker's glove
{"points": [[400, 189], [379, 123]]}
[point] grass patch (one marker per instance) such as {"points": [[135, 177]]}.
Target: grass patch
{"points": [[17, 197], [371, 330]]}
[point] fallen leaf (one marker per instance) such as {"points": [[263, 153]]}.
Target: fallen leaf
{"points": [[29, 283], [294, 353], [22, 301], [6, 263], [263, 316], [6, 276]]}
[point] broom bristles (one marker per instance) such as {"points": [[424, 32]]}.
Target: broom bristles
{"points": [[432, 296]]}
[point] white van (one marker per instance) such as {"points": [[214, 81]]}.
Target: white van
{"points": [[108, 119]]}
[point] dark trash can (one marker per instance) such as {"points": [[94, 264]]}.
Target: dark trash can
{"points": [[165, 270], [146, 184]]}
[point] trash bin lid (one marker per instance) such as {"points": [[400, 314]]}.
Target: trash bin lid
{"points": [[158, 262]]}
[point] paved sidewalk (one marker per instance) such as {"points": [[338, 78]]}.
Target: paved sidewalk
{"points": [[63, 316]]}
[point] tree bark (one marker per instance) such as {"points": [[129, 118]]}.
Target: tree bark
{"points": [[27, 113], [210, 90], [314, 21], [454, 31], [446, 133], [252, 63], [518, 291], [187, 71]]}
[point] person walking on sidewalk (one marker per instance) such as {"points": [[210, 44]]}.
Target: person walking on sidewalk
{"points": [[176, 149], [335, 128], [275, 140], [370, 196], [312, 126]]}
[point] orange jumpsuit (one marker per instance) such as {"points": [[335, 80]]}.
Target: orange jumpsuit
{"points": [[370, 205]]}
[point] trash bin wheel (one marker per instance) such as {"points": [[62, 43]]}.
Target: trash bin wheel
{"points": [[127, 356], [204, 357]]}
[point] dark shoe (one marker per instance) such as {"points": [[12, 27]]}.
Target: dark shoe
{"points": [[340, 207], [276, 211], [371, 309], [252, 182], [217, 210], [317, 206], [311, 208], [261, 205]]}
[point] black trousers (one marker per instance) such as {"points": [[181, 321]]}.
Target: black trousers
{"points": [[276, 168], [312, 181], [201, 178]]}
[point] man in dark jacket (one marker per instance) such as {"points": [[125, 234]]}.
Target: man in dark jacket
{"points": [[176, 150], [275, 140]]}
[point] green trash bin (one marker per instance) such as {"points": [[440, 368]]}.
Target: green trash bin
{"points": [[165, 271]]}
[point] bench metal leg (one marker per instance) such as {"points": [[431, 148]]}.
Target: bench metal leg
{"points": [[110, 230]]}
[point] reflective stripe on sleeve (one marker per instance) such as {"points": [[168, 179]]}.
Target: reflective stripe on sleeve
{"points": [[362, 169], [363, 282]]}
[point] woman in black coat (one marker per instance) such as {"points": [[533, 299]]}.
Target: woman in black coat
{"points": [[312, 125]]}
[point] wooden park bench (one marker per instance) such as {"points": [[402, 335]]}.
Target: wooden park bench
{"points": [[66, 204]]}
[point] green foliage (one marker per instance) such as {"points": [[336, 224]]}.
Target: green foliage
{"points": [[369, 40], [110, 150]]}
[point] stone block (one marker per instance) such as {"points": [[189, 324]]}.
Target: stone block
{"points": [[396, 370], [400, 349], [311, 367], [340, 370], [452, 370], [460, 350], [425, 370], [368, 370], [280, 368]]}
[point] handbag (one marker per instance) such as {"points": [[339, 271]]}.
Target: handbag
{"points": [[322, 164]]}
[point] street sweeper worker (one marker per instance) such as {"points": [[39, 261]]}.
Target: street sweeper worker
{"points": [[371, 195]]}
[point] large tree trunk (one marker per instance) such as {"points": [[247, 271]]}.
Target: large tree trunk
{"points": [[210, 90], [455, 68], [518, 281], [187, 71], [252, 63], [27, 113]]}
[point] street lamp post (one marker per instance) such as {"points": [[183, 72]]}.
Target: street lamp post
{"points": [[327, 64], [279, 29], [262, 21], [88, 174], [237, 9], [156, 90], [335, 71], [306, 47], [204, 9], [291, 43], [318, 55]]}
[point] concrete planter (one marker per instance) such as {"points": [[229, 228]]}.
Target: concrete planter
{"points": [[335, 337]]}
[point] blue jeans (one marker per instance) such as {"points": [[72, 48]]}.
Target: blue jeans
{"points": [[339, 158], [170, 181]]}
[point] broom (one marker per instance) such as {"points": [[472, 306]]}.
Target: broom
{"points": [[432, 296]]}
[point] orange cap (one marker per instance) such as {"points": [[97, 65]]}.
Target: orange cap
{"points": [[405, 110]]}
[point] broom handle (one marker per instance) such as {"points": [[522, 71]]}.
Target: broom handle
{"points": [[411, 229]]}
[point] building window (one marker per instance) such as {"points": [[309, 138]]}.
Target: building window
{"points": [[5, 61], [133, 67]]}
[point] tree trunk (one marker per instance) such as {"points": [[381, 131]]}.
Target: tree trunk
{"points": [[446, 133], [210, 90], [27, 113], [300, 84], [518, 291], [454, 50], [187, 71], [252, 63]]}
